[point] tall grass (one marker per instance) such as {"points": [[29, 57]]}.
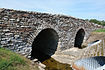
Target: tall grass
{"points": [[8, 60]]}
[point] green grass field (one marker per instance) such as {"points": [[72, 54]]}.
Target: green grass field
{"points": [[12, 61], [100, 30]]}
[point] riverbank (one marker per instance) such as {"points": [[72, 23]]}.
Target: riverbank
{"points": [[12, 61]]}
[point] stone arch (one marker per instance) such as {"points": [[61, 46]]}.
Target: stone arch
{"points": [[79, 38], [45, 44]]}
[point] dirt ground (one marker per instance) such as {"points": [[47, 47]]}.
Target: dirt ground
{"points": [[95, 36]]}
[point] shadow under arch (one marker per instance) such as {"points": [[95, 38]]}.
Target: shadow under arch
{"points": [[45, 44], [79, 38]]}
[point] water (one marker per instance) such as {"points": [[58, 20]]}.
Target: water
{"points": [[52, 64]]}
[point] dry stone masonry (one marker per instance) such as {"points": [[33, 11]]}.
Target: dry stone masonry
{"points": [[18, 29]]}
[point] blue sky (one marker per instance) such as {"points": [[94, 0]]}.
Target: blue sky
{"points": [[85, 9]]}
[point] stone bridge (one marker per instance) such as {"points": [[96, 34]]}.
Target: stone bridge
{"points": [[33, 32]]}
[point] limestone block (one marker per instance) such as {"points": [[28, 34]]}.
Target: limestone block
{"points": [[4, 42]]}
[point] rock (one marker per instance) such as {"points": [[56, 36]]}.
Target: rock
{"points": [[5, 30], [8, 33], [35, 60], [3, 42], [23, 53], [41, 68], [28, 57], [32, 63], [16, 36], [20, 47], [42, 65], [12, 19], [27, 50]]}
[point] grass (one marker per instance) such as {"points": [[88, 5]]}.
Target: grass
{"points": [[12, 61], [100, 30]]}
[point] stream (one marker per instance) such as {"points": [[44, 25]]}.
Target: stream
{"points": [[52, 64]]}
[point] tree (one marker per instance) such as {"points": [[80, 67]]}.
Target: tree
{"points": [[97, 21]]}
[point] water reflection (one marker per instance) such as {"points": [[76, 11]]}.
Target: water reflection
{"points": [[52, 64]]}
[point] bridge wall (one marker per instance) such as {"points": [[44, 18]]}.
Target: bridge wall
{"points": [[18, 29]]}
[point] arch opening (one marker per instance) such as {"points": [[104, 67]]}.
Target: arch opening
{"points": [[45, 44], [79, 38]]}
